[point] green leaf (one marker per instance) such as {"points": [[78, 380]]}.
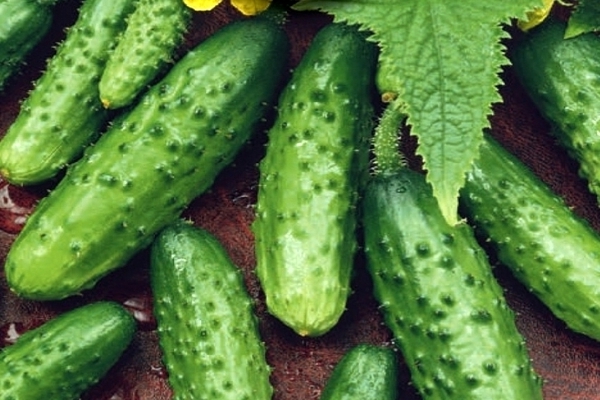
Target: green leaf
{"points": [[442, 58], [584, 19]]}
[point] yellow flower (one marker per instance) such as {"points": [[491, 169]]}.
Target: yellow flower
{"points": [[246, 7], [536, 17]]}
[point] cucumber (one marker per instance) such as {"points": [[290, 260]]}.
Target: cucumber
{"points": [[560, 76], [67, 354], [439, 298], [63, 113], [155, 30], [437, 292], [551, 250], [317, 152], [365, 372], [207, 327], [23, 24], [146, 168]]}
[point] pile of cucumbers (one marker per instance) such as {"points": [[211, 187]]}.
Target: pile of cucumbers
{"points": [[129, 129]]}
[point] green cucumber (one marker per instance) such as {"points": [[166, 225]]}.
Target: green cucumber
{"points": [[155, 30], [365, 372], [309, 179], [439, 297], [66, 355], [207, 327], [23, 24], [146, 168], [551, 250], [63, 113], [561, 78]]}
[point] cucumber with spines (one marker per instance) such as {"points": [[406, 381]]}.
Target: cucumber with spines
{"points": [[155, 31], [144, 170], [315, 162], [23, 24], [554, 252], [438, 296], [66, 355], [62, 114], [207, 326], [561, 77], [365, 372]]}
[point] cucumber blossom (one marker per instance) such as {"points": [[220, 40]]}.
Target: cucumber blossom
{"points": [[316, 157], [147, 167], [207, 327], [68, 354], [23, 24], [439, 297], [561, 76], [155, 30], [365, 372], [63, 113], [551, 250]]}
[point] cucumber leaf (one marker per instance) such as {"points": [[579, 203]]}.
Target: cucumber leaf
{"points": [[441, 59], [585, 18]]}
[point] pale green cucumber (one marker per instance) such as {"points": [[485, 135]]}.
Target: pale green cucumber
{"points": [[315, 162]]}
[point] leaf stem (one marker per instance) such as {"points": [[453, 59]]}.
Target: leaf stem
{"points": [[386, 142]]}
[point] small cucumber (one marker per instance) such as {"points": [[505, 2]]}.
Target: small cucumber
{"points": [[439, 297], [309, 180], [66, 355], [207, 327], [23, 24], [155, 30], [561, 78], [551, 250], [63, 113], [144, 171], [365, 372]]}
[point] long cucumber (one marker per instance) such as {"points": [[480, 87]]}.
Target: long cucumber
{"points": [[145, 170], [437, 292]]}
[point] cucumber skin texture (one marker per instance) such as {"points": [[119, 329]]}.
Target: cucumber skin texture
{"points": [[551, 250], [148, 167], [66, 355], [207, 327], [316, 153], [62, 114], [365, 372], [23, 24], [144, 51], [561, 76], [439, 297]]}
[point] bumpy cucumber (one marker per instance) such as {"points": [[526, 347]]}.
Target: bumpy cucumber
{"points": [[154, 32], [63, 113], [550, 249], [23, 24], [207, 327], [439, 297], [149, 166], [309, 179], [66, 355], [561, 77], [365, 372]]}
